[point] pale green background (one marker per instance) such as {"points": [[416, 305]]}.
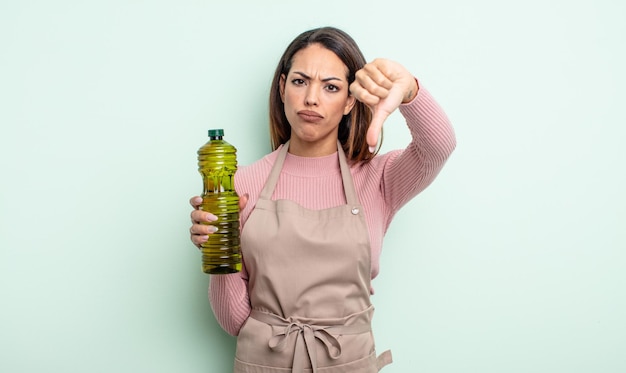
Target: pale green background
{"points": [[513, 261]]}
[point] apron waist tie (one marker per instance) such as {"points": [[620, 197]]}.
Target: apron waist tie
{"points": [[306, 334]]}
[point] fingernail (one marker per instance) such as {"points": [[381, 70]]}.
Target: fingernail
{"points": [[372, 149], [212, 229], [211, 217]]}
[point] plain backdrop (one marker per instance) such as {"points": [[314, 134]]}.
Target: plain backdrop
{"points": [[512, 261]]}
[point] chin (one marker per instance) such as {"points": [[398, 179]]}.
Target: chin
{"points": [[307, 136]]}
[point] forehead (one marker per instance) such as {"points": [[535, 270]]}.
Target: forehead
{"points": [[317, 60]]}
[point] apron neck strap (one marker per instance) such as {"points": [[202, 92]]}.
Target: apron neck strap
{"points": [[348, 185]]}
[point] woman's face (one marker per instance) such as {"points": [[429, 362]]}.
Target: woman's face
{"points": [[316, 96]]}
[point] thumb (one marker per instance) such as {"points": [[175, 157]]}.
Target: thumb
{"points": [[382, 110], [373, 131]]}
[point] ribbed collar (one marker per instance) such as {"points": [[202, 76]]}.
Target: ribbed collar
{"points": [[311, 166]]}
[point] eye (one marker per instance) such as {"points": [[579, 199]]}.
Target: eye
{"points": [[297, 81], [332, 88]]}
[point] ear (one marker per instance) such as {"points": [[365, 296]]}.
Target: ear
{"points": [[350, 101], [281, 84]]}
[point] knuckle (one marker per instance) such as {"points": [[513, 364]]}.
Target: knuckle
{"points": [[382, 81], [382, 92], [197, 216]]}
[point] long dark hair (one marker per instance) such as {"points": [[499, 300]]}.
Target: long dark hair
{"points": [[353, 126]]}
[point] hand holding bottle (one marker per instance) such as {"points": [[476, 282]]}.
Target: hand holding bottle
{"points": [[201, 220]]}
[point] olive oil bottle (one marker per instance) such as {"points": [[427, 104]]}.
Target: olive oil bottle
{"points": [[217, 163]]}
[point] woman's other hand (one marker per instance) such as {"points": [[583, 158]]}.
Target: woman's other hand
{"points": [[383, 85]]}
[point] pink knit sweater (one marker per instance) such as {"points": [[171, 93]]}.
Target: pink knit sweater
{"points": [[383, 185]]}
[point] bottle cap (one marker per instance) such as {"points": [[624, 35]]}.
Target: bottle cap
{"points": [[216, 132]]}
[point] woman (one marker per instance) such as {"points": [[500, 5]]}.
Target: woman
{"points": [[314, 211]]}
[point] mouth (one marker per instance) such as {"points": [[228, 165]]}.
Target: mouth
{"points": [[310, 116]]}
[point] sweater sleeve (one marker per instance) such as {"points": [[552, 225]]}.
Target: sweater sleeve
{"points": [[228, 295], [410, 171]]}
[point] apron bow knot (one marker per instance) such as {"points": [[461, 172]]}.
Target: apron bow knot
{"points": [[306, 334]]}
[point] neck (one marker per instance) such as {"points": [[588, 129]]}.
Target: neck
{"points": [[312, 149]]}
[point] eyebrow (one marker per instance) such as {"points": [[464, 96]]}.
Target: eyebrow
{"points": [[323, 80]]}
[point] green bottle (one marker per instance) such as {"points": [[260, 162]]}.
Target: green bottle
{"points": [[217, 162]]}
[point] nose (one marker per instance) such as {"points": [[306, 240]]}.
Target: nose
{"points": [[311, 98]]}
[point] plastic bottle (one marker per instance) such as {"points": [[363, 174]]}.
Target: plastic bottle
{"points": [[217, 163]]}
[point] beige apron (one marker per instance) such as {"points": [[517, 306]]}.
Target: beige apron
{"points": [[309, 284]]}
